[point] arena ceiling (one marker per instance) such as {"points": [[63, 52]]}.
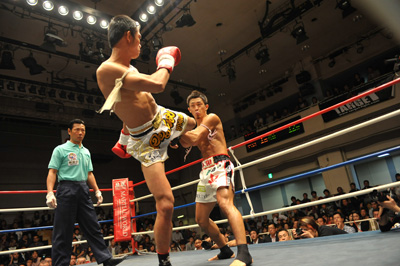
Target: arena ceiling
{"points": [[226, 40]]}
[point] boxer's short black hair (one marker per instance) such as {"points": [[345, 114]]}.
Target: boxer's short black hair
{"points": [[118, 26], [196, 94], [75, 121]]}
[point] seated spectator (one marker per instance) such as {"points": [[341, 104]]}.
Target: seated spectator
{"points": [[338, 219], [272, 237], [197, 244], [80, 261], [314, 100], [365, 225], [358, 80], [314, 196], [372, 73], [305, 198], [35, 258], [254, 238], [275, 116], [37, 243], [283, 235], [190, 244], [113, 247], [173, 247], [321, 221], [259, 122], [311, 229], [48, 260], [15, 259], [73, 259], [268, 118], [354, 218], [327, 194], [294, 201], [177, 236]]}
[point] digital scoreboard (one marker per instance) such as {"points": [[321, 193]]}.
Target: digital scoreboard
{"points": [[273, 138]]}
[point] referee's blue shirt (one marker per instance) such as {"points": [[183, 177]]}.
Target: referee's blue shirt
{"points": [[73, 163]]}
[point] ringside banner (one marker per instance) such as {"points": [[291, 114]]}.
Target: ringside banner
{"points": [[122, 214]]}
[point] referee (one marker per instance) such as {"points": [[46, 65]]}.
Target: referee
{"points": [[72, 165]]}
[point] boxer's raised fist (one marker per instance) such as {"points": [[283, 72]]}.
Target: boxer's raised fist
{"points": [[168, 57], [120, 147]]}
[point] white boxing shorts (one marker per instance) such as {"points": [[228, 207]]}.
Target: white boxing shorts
{"points": [[149, 143], [217, 171]]}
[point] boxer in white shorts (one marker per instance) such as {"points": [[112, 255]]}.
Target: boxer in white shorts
{"points": [[217, 171], [216, 180], [129, 94], [149, 143]]}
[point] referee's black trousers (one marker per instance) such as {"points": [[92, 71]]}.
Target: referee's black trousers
{"points": [[74, 204]]}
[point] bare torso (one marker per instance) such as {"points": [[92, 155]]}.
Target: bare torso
{"points": [[136, 107], [215, 146]]}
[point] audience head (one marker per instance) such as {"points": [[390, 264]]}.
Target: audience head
{"points": [[283, 235]]}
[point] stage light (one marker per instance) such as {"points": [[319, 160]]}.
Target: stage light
{"points": [[63, 95], [51, 40], [34, 67], [77, 15], [21, 87], [176, 96], [151, 9], [159, 2], [104, 24], [143, 17], [262, 55], [71, 96], [89, 99], [52, 93], [32, 2], [145, 53], [42, 91], [231, 72], [91, 20], [157, 43], [32, 89], [81, 98], [11, 86], [185, 20], [346, 7], [299, 33], [1, 85], [360, 48], [63, 10], [332, 63], [48, 5], [7, 60]]}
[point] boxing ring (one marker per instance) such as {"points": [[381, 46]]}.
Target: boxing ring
{"points": [[365, 248]]}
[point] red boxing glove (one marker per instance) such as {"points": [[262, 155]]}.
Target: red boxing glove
{"points": [[120, 147], [168, 57], [120, 151]]}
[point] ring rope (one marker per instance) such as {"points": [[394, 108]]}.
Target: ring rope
{"points": [[304, 145], [359, 96], [299, 206], [243, 182], [321, 139], [298, 176]]}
